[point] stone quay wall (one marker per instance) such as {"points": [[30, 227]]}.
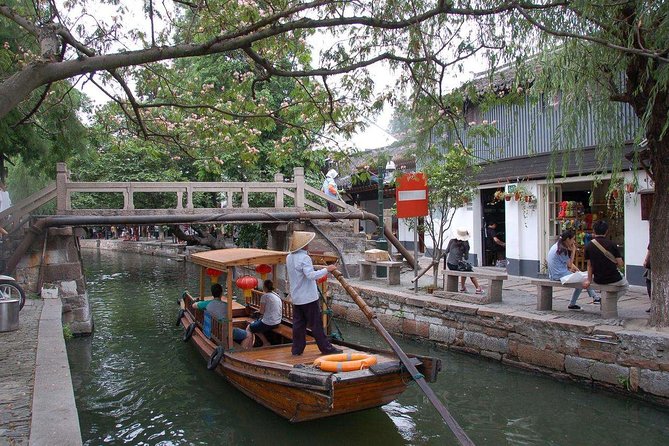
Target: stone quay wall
{"points": [[635, 363], [157, 248]]}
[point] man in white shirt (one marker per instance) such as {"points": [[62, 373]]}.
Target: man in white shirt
{"points": [[304, 294]]}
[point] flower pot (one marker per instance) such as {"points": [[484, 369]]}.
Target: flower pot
{"points": [[517, 196], [507, 197], [528, 198], [614, 194], [629, 187]]}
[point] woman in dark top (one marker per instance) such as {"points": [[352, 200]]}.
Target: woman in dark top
{"points": [[458, 249]]}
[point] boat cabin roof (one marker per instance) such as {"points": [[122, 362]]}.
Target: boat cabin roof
{"points": [[222, 258]]}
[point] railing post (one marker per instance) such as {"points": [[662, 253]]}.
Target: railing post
{"points": [[180, 199], [130, 198], [298, 178], [245, 197], [189, 197], [62, 196], [278, 198]]}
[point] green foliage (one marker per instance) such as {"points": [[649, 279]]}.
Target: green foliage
{"points": [[67, 332]]}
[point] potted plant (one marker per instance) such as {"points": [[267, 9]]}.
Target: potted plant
{"points": [[507, 197], [630, 187], [499, 195]]}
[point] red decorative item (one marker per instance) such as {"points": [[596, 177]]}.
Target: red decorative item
{"points": [[629, 187], [263, 270], [323, 279], [213, 273], [247, 283], [614, 194], [563, 209]]}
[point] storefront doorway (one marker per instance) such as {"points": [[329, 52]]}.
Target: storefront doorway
{"points": [[492, 211], [577, 206]]}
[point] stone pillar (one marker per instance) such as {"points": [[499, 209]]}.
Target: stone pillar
{"points": [[62, 198], [55, 271]]}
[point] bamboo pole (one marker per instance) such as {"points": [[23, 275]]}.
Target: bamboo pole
{"points": [[459, 433]]}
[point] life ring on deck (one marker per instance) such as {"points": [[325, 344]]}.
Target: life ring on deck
{"points": [[181, 314], [345, 362], [189, 332], [215, 358]]}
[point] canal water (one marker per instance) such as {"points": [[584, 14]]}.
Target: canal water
{"points": [[137, 383]]}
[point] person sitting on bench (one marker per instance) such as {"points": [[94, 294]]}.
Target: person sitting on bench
{"points": [[270, 310], [219, 310], [604, 259], [561, 263]]}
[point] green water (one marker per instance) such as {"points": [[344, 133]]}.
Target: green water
{"points": [[137, 383]]}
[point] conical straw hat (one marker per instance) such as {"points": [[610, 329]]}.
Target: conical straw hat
{"points": [[300, 239]]}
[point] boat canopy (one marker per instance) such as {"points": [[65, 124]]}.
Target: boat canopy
{"points": [[220, 259]]}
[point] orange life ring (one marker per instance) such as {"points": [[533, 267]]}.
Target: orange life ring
{"points": [[345, 362]]}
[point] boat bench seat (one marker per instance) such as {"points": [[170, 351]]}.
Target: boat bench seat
{"points": [[287, 332], [495, 282], [393, 268], [610, 294]]}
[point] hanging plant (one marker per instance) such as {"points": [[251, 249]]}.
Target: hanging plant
{"points": [[630, 188]]}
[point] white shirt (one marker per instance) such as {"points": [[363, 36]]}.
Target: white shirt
{"points": [[302, 277], [272, 314]]}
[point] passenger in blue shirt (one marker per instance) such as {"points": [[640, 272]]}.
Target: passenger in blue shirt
{"points": [[561, 263]]}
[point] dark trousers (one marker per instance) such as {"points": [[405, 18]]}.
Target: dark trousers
{"points": [[308, 316]]}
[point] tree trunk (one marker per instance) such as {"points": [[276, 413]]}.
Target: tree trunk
{"points": [[659, 234]]}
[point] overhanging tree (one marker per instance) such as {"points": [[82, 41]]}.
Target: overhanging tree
{"points": [[424, 38]]}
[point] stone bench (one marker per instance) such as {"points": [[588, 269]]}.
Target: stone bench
{"points": [[495, 282], [393, 268], [609, 296]]}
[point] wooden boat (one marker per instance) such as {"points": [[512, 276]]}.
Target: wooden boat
{"points": [[289, 385]]}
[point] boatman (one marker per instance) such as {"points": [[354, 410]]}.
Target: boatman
{"points": [[304, 295]]}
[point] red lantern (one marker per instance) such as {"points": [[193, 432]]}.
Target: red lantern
{"points": [[247, 283], [323, 279], [263, 270], [213, 273]]}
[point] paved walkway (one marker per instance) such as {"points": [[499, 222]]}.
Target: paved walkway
{"points": [[519, 294], [18, 351]]}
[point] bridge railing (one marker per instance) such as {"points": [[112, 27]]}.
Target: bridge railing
{"points": [[231, 194], [19, 213]]}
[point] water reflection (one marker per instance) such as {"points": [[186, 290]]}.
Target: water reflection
{"points": [[137, 383]]}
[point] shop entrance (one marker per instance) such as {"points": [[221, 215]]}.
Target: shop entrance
{"points": [[492, 212], [576, 206]]}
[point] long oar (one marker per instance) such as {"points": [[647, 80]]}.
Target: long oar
{"points": [[417, 376]]}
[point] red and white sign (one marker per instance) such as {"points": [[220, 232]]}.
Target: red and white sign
{"points": [[411, 195]]}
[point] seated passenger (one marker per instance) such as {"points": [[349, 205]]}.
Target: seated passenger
{"points": [[219, 310], [270, 310]]}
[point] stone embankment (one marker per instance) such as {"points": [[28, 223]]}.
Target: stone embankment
{"points": [[573, 345]]}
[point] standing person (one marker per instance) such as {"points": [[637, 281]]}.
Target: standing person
{"points": [[493, 243], [329, 188], [457, 250], [561, 263], [304, 294], [603, 259], [270, 310], [5, 201]]}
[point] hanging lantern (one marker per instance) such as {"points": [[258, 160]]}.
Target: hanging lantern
{"points": [[247, 283], [323, 279], [213, 273], [263, 270]]}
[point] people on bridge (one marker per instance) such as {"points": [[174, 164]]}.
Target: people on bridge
{"points": [[304, 293], [270, 310], [457, 250], [218, 309], [330, 189], [561, 263]]}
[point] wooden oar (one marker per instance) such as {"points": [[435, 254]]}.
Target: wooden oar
{"points": [[459, 433]]}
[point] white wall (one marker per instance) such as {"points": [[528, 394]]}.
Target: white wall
{"points": [[522, 226], [637, 231]]}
